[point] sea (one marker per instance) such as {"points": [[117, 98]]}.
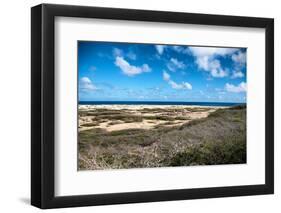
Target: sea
{"points": [[225, 104]]}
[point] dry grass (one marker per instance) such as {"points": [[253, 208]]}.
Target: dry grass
{"points": [[218, 139]]}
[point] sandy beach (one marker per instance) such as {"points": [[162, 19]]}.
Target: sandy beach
{"points": [[150, 116]]}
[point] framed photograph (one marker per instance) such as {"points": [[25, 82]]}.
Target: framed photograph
{"points": [[139, 106]]}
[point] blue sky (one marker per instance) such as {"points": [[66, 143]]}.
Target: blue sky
{"points": [[110, 71]]}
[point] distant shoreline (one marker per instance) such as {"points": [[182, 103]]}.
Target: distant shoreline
{"points": [[161, 103], [139, 107]]}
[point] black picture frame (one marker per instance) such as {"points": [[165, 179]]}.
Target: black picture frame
{"points": [[43, 114]]}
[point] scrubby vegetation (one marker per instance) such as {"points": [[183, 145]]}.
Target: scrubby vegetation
{"points": [[218, 139]]}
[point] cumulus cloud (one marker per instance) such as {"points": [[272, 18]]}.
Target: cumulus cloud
{"points": [[128, 69], [117, 52], [180, 49], [237, 74], [145, 68], [211, 51], [160, 49], [175, 64], [213, 66], [183, 85], [85, 84], [166, 76], [207, 61], [131, 55], [242, 87], [174, 85], [239, 60]]}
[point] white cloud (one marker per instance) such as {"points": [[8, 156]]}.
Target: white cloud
{"points": [[85, 84], [213, 66], [239, 58], [183, 85], [166, 76], [145, 68], [129, 69], [237, 74], [175, 64], [211, 51], [187, 85], [131, 55], [160, 49], [174, 85], [180, 49], [206, 59], [242, 87], [117, 52]]}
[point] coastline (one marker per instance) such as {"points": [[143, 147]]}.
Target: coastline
{"points": [[143, 106]]}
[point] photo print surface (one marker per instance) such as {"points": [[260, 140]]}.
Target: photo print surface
{"points": [[159, 105]]}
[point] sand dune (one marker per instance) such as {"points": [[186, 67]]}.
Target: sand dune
{"points": [[138, 116]]}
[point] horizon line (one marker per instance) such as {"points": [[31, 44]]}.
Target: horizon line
{"points": [[163, 101]]}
